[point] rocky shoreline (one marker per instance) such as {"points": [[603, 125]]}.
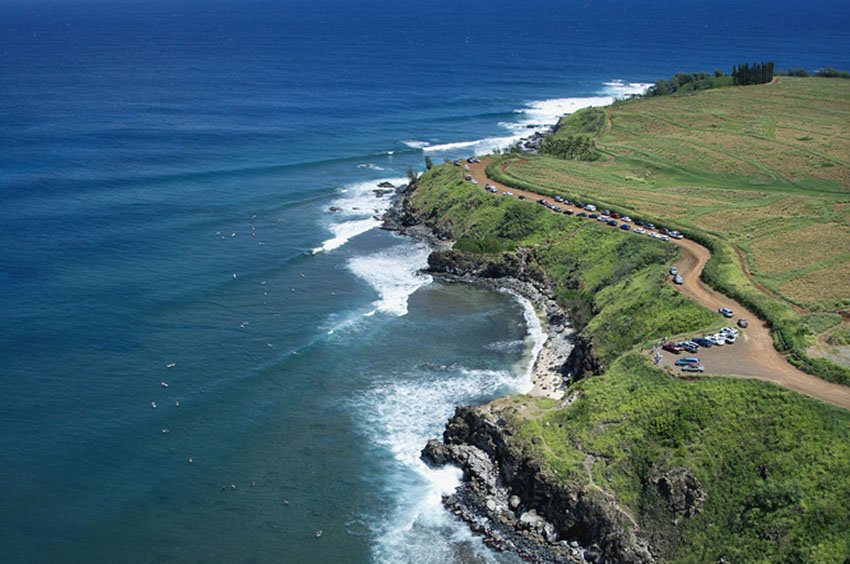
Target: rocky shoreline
{"points": [[500, 497], [549, 377]]}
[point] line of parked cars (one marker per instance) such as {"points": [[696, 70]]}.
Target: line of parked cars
{"points": [[589, 210]]}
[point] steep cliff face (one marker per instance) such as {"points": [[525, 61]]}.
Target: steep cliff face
{"points": [[542, 518]]}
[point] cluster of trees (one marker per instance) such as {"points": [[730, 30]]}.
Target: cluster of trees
{"points": [[575, 147], [827, 72], [688, 82], [757, 73]]}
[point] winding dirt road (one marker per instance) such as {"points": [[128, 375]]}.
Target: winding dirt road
{"points": [[753, 356]]}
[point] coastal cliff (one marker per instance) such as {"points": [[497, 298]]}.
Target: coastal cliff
{"points": [[529, 511], [619, 461]]}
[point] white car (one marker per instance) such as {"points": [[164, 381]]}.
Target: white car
{"points": [[626, 219], [653, 234], [664, 238], [717, 339], [640, 230]]}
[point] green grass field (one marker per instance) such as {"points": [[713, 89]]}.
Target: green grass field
{"points": [[602, 276], [763, 170], [775, 466]]}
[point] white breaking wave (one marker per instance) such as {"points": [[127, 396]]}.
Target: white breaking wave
{"points": [[394, 273], [400, 417], [478, 146], [539, 115], [620, 88], [413, 144], [536, 338], [361, 207]]}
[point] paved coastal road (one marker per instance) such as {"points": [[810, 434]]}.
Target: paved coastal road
{"points": [[753, 356]]}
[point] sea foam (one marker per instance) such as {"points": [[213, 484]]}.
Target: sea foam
{"points": [[402, 414], [360, 208], [394, 274], [537, 116]]}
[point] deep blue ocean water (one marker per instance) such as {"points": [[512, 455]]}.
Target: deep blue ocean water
{"points": [[166, 170]]}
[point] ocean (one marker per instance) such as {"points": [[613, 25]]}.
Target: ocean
{"points": [[200, 361]]}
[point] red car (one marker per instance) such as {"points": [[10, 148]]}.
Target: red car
{"points": [[671, 347]]}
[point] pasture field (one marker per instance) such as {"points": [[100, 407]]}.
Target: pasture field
{"points": [[763, 170]]}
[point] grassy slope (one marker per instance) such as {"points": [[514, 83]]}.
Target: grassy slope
{"points": [[598, 273], [762, 170], [636, 420]]}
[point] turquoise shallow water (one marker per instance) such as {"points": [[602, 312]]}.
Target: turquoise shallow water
{"points": [[150, 152]]}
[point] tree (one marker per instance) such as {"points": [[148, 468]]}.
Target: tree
{"points": [[429, 164], [411, 175]]}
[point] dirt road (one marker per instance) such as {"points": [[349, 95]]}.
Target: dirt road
{"points": [[753, 356]]}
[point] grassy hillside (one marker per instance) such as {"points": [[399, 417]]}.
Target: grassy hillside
{"points": [[774, 466], [602, 276], [761, 172]]}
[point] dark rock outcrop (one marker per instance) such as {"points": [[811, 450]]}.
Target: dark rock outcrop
{"points": [[682, 491], [582, 362], [541, 517]]}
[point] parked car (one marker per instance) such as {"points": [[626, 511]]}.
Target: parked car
{"points": [[693, 368], [542, 202], [743, 323], [653, 234], [687, 360], [507, 193], [593, 216], [674, 271], [492, 189], [466, 168], [590, 207], [474, 181], [678, 280], [558, 199], [625, 226], [615, 215], [521, 197], [688, 346], [676, 235], [703, 342], [568, 211], [612, 222], [726, 312], [671, 347], [649, 225], [640, 230], [581, 214], [730, 338], [627, 219], [718, 339], [468, 177], [664, 238], [556, 209]]}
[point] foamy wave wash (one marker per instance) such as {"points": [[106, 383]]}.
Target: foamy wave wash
{"points": [[360, 208], [537, 116], [402, 414], [394, 274]]}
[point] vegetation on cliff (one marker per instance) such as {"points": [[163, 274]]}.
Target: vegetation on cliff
{"points": [[771, 467], [705, 468], [759, 175], [612, 283]]}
